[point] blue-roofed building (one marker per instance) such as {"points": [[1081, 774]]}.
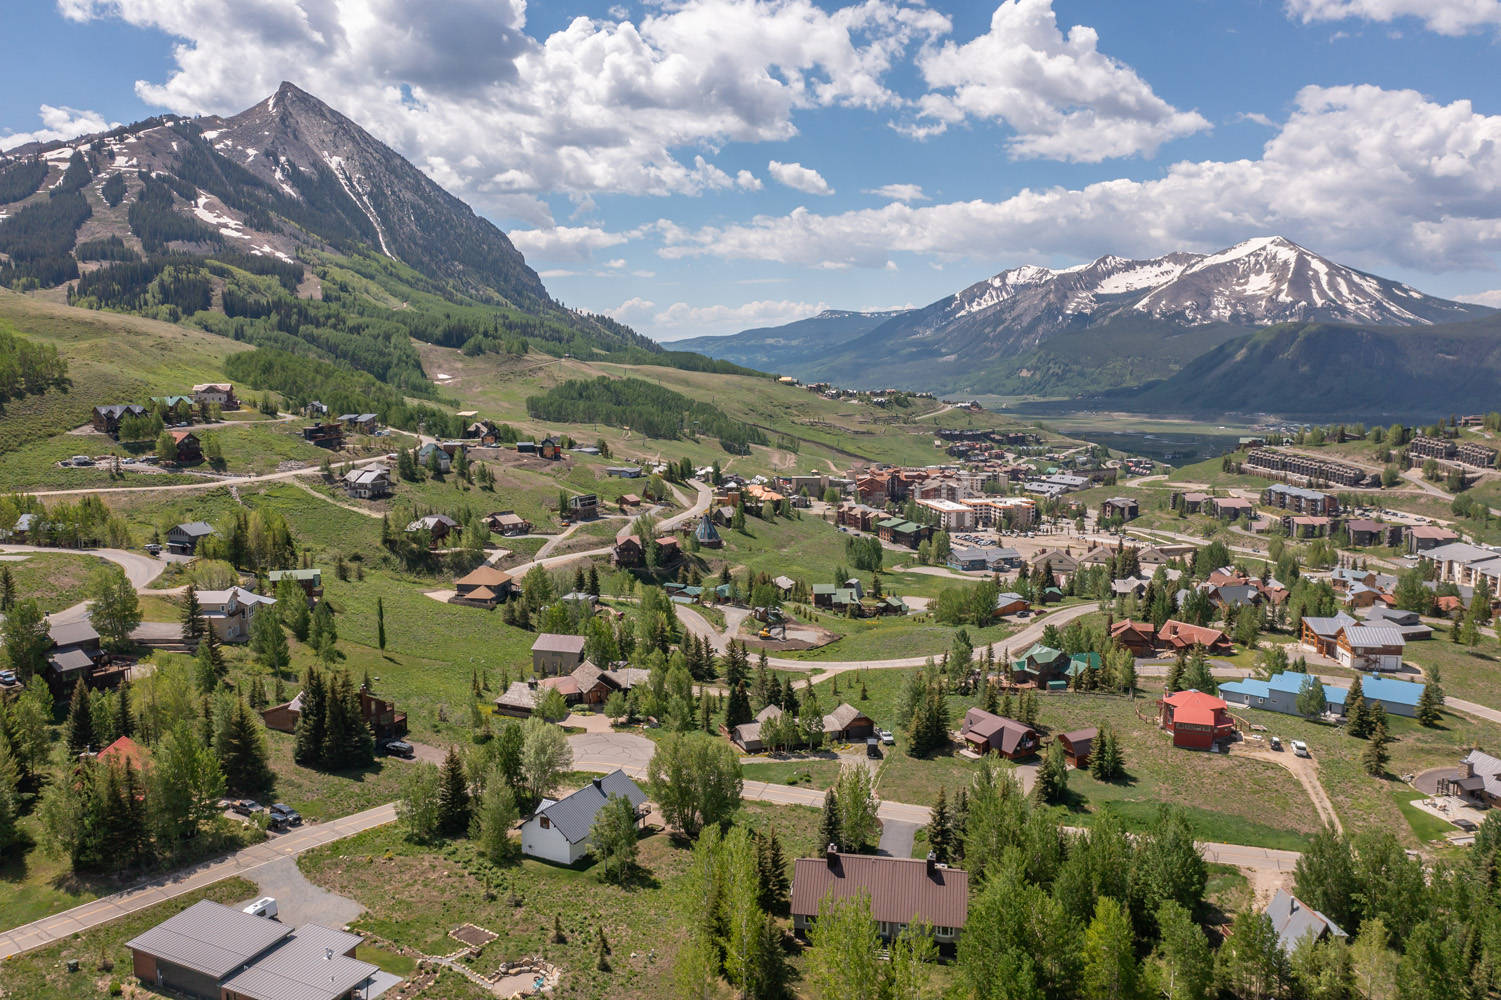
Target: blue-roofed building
{"points": [[1397, 697], [1279, 694]]}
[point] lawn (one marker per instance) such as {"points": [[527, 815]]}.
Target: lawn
{"points": [[1469, 673], [890, 638], [1425, 825], [415, 895], [101, 951], [1234, 799], [56, 579], [808, 773], [1364, 802]]}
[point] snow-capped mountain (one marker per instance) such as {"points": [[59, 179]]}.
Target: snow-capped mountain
{"points": [[292, 172], [1258, 282], [1112, 322]]}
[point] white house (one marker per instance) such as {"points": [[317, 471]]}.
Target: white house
{"points": [[559, 830], [229, 612]]}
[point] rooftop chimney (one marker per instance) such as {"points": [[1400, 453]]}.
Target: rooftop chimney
{"points": [[831, 855], [932, 863], [599, 783]]}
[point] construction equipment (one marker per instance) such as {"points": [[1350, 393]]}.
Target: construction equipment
{"points": [[778, 627]]}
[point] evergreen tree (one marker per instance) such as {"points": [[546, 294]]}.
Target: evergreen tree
{"points": [[940, 830], [269, 642], [125, 724], [79, 729], [380, 621], [453, 795], [1376, 755], [1174, 682], [243, 754], [829, 831], [1052, 775], [193, 623], [312, 721], [738, 710], [1427, 712], [1358, 722]]}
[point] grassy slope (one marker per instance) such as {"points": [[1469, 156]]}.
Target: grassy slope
{"points": [[111, 358]]}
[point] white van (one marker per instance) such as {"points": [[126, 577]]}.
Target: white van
{"points": [[263, 907]]}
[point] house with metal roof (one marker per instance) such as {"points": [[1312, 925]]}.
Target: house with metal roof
{"points": [[183, 539], [1397, 697], [1279, 693], [1479, 779], [211, 951], [1369, 647], [898, 890], [559, 830], [1294, 920], [984, 731]]}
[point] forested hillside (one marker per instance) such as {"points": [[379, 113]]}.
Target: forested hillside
{"points": [[655, 411]]}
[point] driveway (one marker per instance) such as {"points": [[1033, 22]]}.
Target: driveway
{"points": [[42, 932], [897, 838], [608, 751], [299, 901]]}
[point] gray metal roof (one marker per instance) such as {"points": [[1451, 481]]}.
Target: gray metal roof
{"points": [[574, 814], [210, 938], [71, 659], [195, 529], [1369, 636], [73, 634], [1293, 920], [309, 965]]}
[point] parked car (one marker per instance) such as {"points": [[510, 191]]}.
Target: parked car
{"points": [[398, 748], [1300, 749], [7, 677], [873, 748], [1276, 742], [153, 549], [245, 807], [286, 813], [887, 737]]}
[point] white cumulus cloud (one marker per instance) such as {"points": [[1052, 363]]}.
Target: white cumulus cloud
{"points": [[565, 243], [1063, 97], [899, 192], [1446, 17], [602, 105], [1490, 298], [58, 123], [1380, 176], [799, 177]]}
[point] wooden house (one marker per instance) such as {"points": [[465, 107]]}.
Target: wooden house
{"points": [[1196, 720]]}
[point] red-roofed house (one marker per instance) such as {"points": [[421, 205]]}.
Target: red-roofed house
{"points": [[125, 751], [1138, 637], [1196, 720], [1177, 635]]}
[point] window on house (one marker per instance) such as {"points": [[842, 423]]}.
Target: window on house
{"points": [[546, 823]]}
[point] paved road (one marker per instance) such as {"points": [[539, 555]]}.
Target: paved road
{"points": [[140, 569], [42, 932], [698, 625]]}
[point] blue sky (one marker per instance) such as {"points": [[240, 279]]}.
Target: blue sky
{"points": [[702, 166]]}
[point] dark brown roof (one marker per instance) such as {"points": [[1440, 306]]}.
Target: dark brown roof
{"points": [[899, 888], [1081, 741], [1005, 733]]}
